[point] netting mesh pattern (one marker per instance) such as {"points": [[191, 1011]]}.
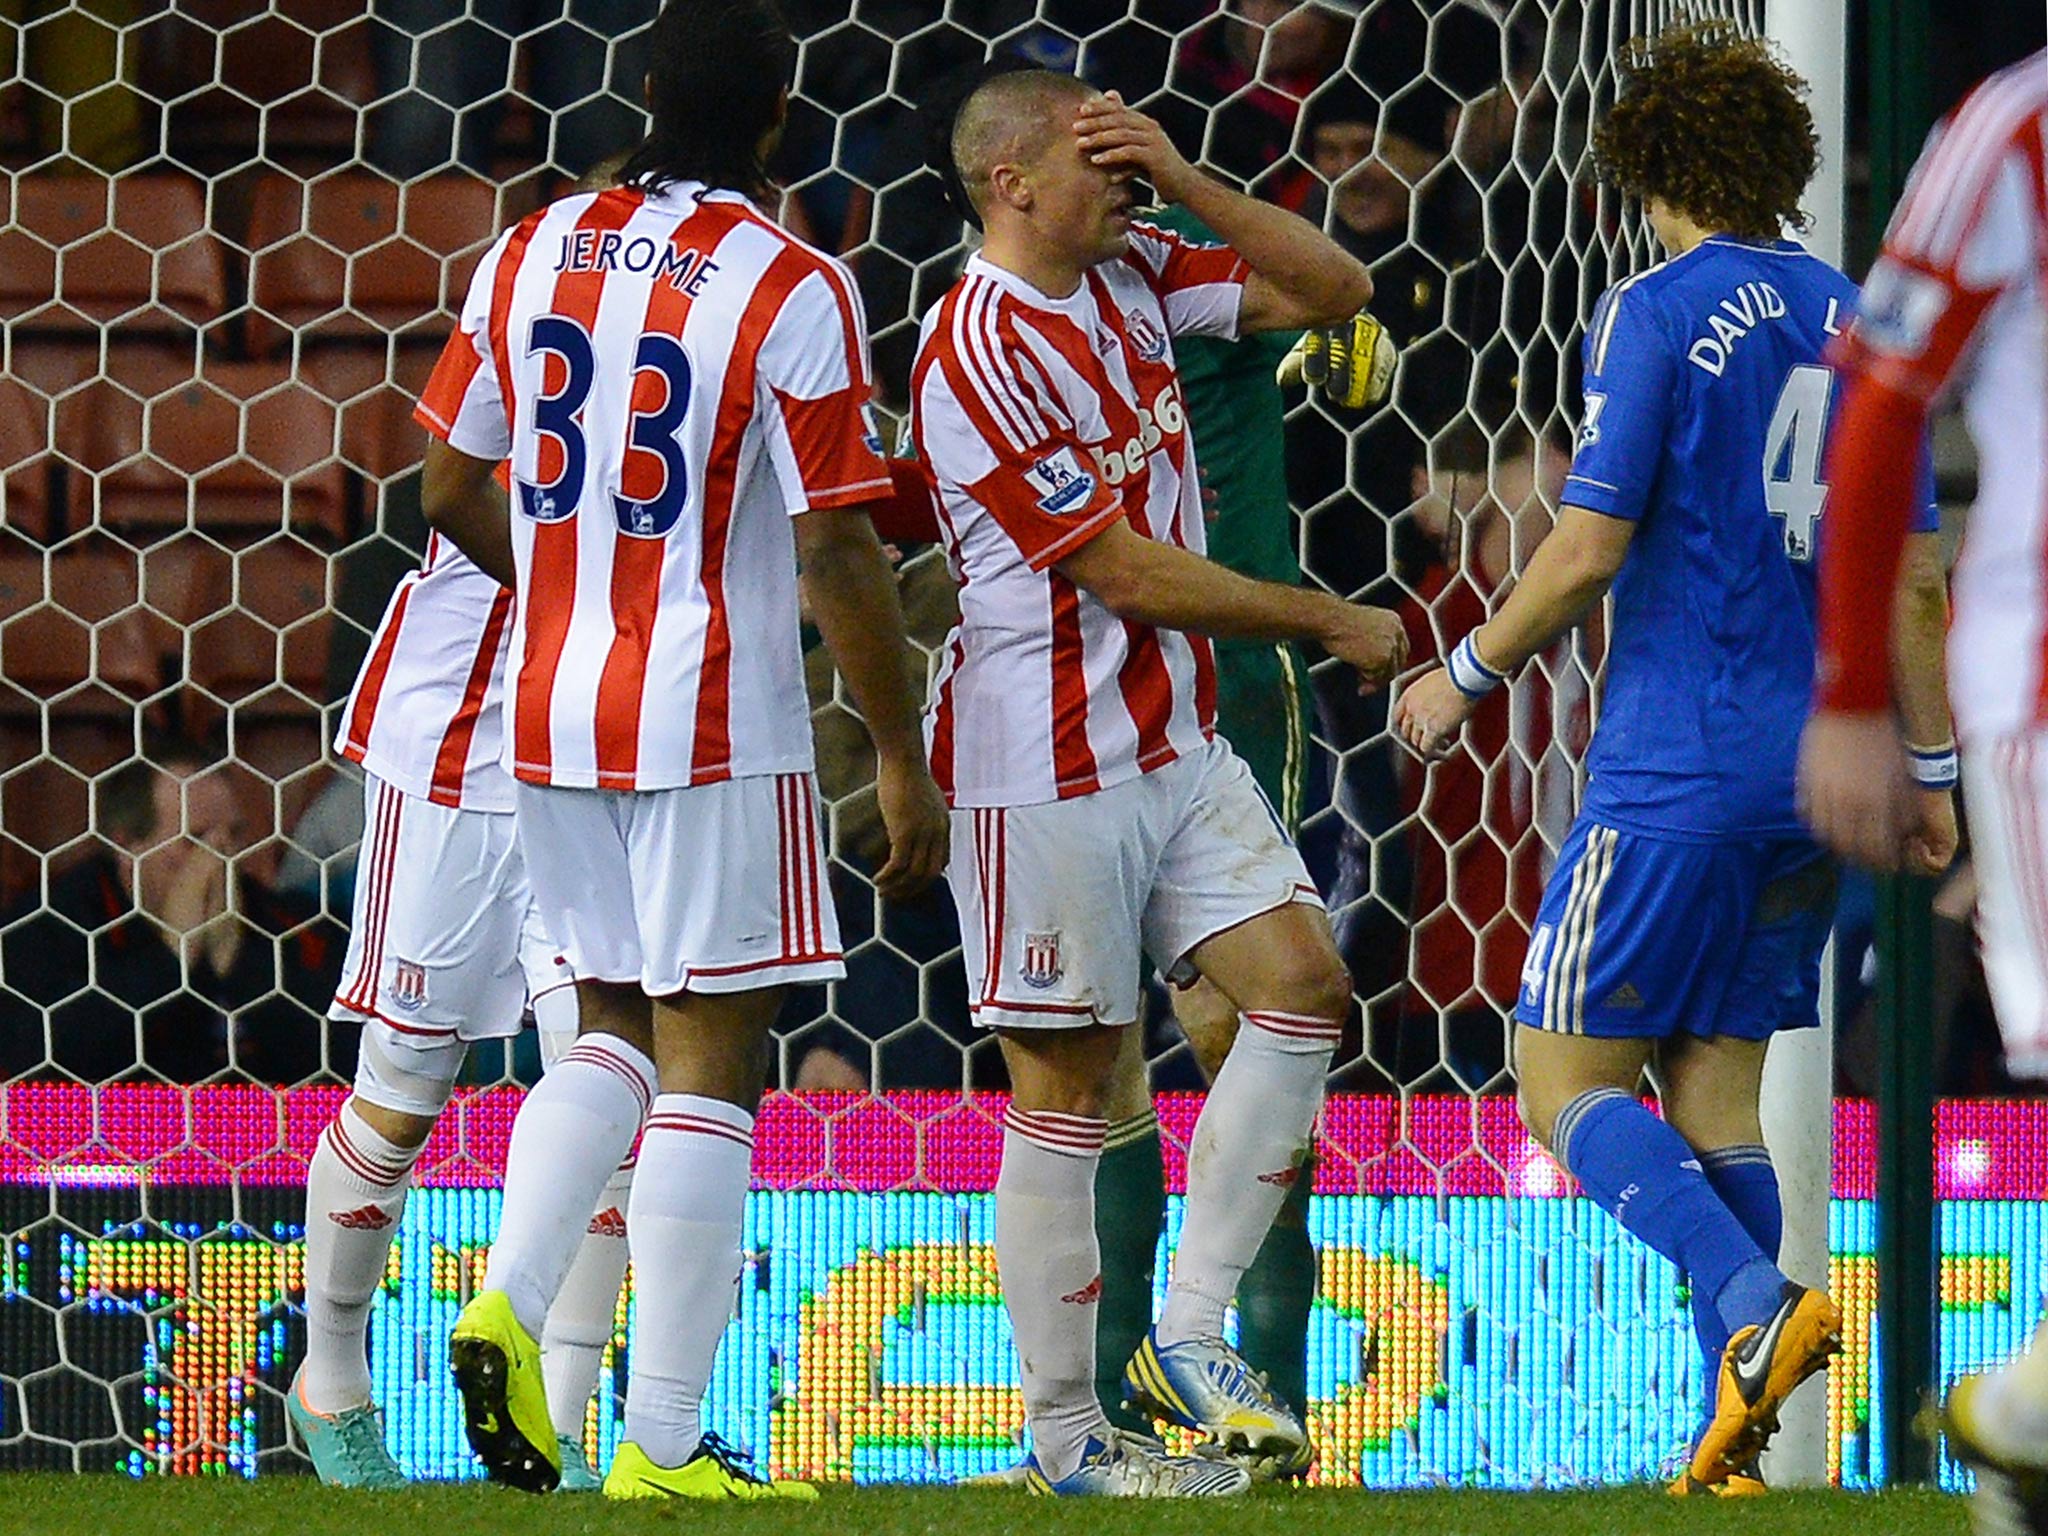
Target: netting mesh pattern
{"points": [[234, 242]]}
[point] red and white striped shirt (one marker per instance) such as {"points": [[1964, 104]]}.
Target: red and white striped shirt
{"points": [[426, 712], [1039, 422], [673, 378], [1960, 295]]}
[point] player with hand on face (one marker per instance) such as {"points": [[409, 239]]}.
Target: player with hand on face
{"points": [[1097, 816], [1684, 922]]}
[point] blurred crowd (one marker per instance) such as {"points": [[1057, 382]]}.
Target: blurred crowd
{"points": [[1436, 139]]}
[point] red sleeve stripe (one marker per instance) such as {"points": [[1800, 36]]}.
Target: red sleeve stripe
{"points": [[1001, 366], [1029, 368], [971, 349], [973, 368], [1961, 164], [454, 371], [1966, 211]]}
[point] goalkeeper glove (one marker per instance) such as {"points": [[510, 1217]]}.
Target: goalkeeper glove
{"points": [[1352, 364]]}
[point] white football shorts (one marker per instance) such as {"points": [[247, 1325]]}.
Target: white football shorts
{"points": [[445, 939], [2006, 783], [1061, 902], [710, 888]]}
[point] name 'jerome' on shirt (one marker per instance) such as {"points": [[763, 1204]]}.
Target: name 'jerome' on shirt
{"points": [[591, 250]]}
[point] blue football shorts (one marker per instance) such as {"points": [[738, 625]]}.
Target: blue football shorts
{"points": [[1640, 936]]}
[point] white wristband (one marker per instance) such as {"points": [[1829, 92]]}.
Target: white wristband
{"points": [[1933, 767], [1469, 675]]}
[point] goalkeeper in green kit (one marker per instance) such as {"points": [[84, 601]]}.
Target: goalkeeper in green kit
{"points": [[1234, 405]]}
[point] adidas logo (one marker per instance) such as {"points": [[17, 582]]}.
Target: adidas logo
{"points": [[609, 1222], [1285, 1178], [1088, 1295], [367, 1218], [1624, 996]]}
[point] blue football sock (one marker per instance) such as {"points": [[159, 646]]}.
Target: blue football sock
{"points": [[1748, 1185], [1644, 1174]]}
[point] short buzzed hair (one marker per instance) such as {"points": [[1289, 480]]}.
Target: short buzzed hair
{"points": [[1009, 118]]}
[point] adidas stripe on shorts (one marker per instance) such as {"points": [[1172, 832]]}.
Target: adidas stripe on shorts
{"points": [[1644, 936]]}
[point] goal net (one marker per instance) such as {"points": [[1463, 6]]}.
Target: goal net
{"points": [[235, 240]]}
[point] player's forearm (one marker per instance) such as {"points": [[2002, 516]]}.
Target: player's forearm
{"points": [[466, 506], [852, 595], [1870, 505], [1171, 588], [1566, 579], [1920, 644], [1326, 283]]}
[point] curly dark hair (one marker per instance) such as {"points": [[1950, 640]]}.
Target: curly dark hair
{"points": [[715, 76], [1716, 125]]}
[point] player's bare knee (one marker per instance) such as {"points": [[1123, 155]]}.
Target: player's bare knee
{"points": [[1067, 1071], [1314, 983], [1130, 1089], [621, 1010]]}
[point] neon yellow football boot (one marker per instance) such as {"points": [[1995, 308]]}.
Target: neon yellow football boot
{"points": [[715, 1471], [504, 1403]]}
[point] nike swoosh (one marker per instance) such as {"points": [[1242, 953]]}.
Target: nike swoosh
{"points": [[1753, 1365]]}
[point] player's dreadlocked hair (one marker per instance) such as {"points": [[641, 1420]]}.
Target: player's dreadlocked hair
{"points": [[1717, 126], [715, 77]]}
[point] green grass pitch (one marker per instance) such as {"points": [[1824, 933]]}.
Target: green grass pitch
{"points": [[41, 1504]]}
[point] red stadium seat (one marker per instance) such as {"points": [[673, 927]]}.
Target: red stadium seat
{"points": [[81, 642], [379, 438], [241, 448], [356, 256], [290, 81], [79, 253], [188, 577], [267, 654], [25, 463]]}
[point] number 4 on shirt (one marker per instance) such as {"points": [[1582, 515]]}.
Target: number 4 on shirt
{"points": [[1793, 487]]}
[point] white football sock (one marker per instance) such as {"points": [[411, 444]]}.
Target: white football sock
{"points": [[572, 1133], [580, 1322], [355, 1194], [1248, 1148], [1051, 1273], [689, 1199]]}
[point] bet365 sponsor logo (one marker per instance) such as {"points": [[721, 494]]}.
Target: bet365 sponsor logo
{"points": [[1166, 418]]}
